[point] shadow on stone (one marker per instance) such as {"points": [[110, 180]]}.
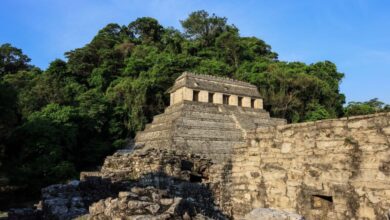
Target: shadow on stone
{"points": [[153, 196]]}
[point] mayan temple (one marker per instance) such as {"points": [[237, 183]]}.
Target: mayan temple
{"points": [[215, 153], [207, 115]]}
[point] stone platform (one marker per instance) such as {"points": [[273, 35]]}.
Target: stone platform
{"points": [[203, 128]]}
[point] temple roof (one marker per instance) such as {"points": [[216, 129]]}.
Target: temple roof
{"points": [[215, 84]]}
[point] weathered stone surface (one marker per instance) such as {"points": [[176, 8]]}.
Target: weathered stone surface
{"points": [[68, 201], [147, 184], [332, 169], [173, 199], [135, 207], [271, 214], [203, 128]]}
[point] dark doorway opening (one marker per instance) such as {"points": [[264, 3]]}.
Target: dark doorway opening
{"points": [[195, 96], [321, 201], [211, 97], [226, 99], [239, 101]]}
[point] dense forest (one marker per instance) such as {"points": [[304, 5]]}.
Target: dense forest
{"points": [[67, 118]]}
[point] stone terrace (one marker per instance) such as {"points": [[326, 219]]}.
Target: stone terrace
{"points": [[203, 128]]}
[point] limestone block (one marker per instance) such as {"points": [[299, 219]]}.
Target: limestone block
{"points": [[330, 144], [246, 102], [284, 202], [377, 139], [203, 96], [259, 104], [178, 95], [380, 175], [172, 99], [187, 94], [218, 98], [357, 124], [386, 131], [275, 175], [366, 212], [328, 124], [233, 100], [288, 133], [340, 131], [286, 148], [336, 175], [271, 214], [372, 198], [253, 188]]}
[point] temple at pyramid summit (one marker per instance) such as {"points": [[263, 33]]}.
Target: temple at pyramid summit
{"points": [[217, 90], [207, 115]]}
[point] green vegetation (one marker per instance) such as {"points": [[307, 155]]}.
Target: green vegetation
{"points": [[363, 108], [67, 118]]}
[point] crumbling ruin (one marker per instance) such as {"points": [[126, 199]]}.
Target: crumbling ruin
{"points": [[215, 153], [331, 169]]}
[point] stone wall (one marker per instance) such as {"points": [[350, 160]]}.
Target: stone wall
{"points": [[331, 169], [197, 169]]}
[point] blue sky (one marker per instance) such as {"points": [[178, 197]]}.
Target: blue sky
{"points": [[354, 34]]}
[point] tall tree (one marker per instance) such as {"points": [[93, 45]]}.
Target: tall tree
{"points": [[363, 108], [146, 29], [12, 60], [200, 25]]}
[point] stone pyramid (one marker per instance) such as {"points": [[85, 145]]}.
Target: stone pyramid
{"points": [[203, 128]]}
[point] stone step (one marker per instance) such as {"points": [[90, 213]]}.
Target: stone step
{"points": [[207, 119], [219, 151], [206, 143], [202, 115], [145, 135], [157, 143], [195, 115], [180, 139], [206, 123], [252, 111], [189, 127], [206, 127], [253, 115], [166, 117], [190, 120], [158, 126], [201, 107], [203, 133], [192, 106]]}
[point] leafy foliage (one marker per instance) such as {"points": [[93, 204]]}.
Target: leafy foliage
{"points": [[363, 108], [12, 60], [66, 118]]}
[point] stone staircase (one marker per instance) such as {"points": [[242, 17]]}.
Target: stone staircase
{"points": [[202, 128]]}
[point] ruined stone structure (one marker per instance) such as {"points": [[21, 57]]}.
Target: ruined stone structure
{"points": [[331, 169], [217, 90], [215, 153], [208, 115]]}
